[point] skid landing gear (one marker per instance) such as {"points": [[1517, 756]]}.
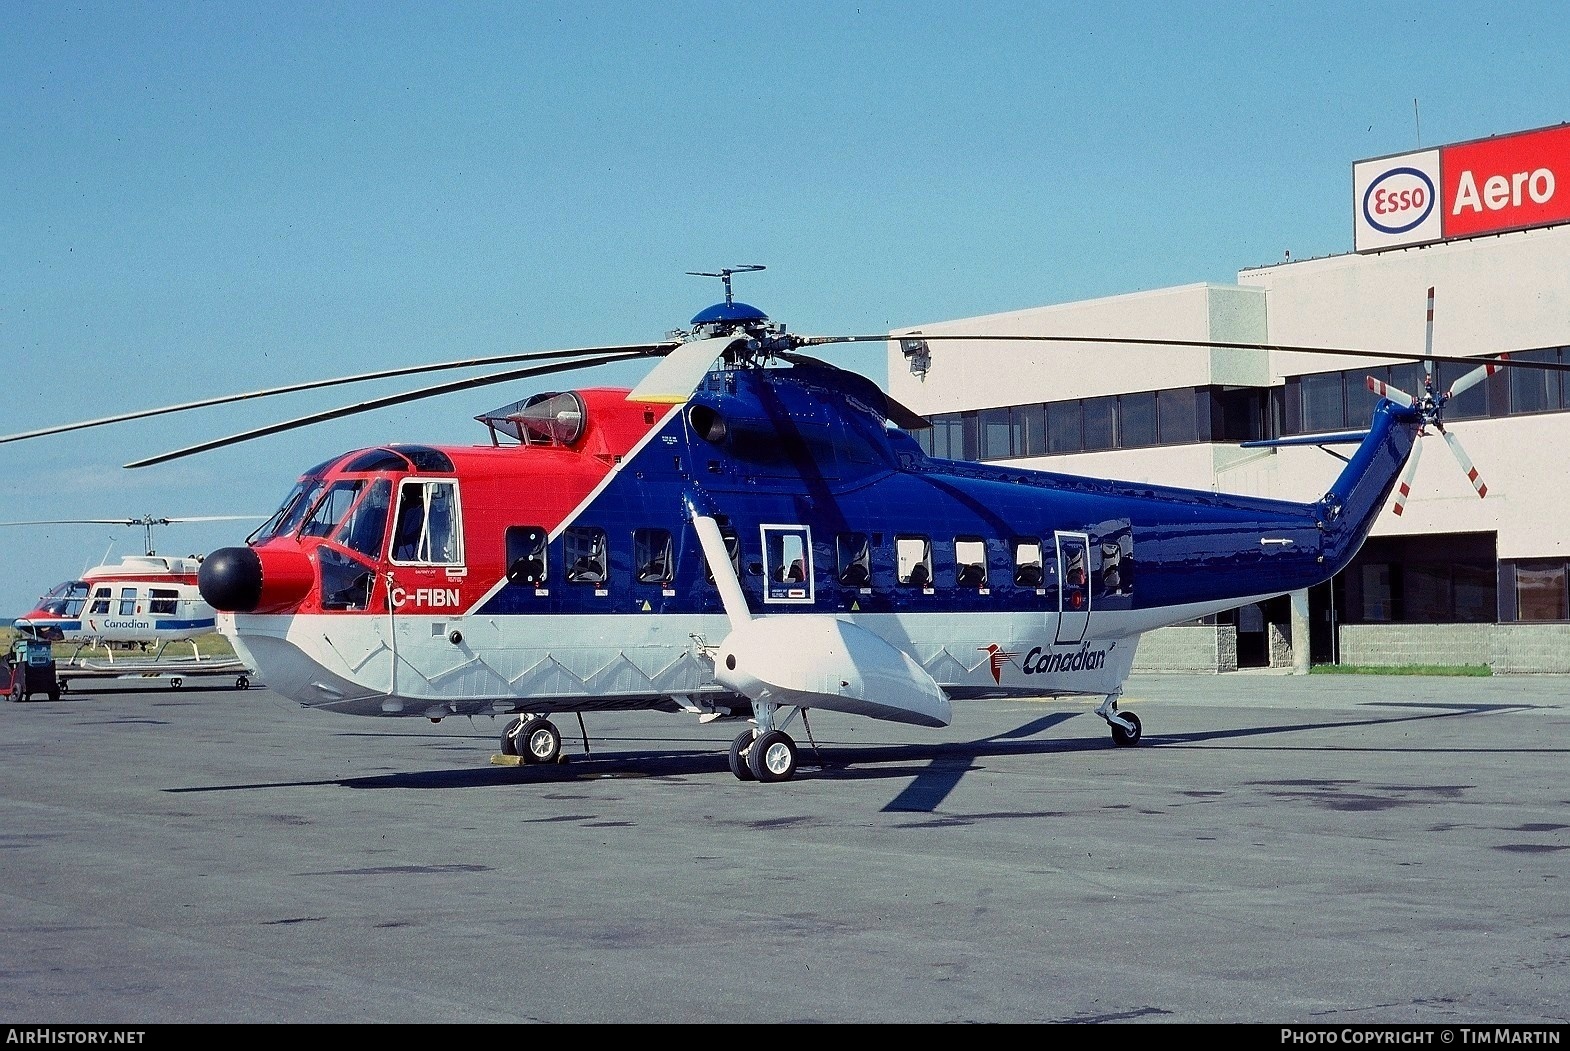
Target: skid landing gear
{"points": [[1125, 725]]}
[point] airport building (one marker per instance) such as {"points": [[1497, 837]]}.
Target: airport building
{"points": [[1471, 571]]}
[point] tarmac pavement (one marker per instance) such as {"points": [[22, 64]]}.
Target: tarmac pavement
{"points": [[1285, 849]]}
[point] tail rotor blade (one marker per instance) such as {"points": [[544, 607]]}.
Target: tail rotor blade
{"points": [[1428, 341], [1395, 394], [1466, 464], [1404, 489], [1476, 376]]}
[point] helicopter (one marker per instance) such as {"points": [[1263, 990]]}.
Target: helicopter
{"points": [[750, 533], [139, 601]]}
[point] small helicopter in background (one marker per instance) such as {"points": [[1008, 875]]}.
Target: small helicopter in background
{"points": [[140, 601], [750, 533]]}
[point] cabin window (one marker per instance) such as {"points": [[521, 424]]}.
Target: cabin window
{"points": [[429, 525], [366, 526], [583, 553], [855, 559], [733, 547], [1113, 578], [127, 601], [526, 555], [970, 562], [162, 601], [652, 555], [913, 558], [101, 602], [1027, 562]]}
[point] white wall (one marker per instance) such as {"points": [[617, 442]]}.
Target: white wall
{"points": [[1504, 292]]}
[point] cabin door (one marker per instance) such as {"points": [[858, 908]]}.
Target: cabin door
{"points": [[1073, 586]]}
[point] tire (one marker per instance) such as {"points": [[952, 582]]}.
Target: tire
{"points": [[772, 757], [509, 745], [738, 756], [539, 741], [1126, 738], [242, 683]]}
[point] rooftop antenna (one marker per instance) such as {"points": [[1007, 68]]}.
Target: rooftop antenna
{"points": [[724, 275], [1418, 121]]}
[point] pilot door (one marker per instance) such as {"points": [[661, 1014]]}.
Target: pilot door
{"points": [[1073, 586]]}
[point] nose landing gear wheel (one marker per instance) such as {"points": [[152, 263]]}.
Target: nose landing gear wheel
{"points": [[772, 757]]}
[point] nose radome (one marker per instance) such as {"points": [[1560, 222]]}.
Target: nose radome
{"points": [[230, 580]]}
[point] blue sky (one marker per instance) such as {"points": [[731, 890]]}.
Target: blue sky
{"points": [[209, 198]]}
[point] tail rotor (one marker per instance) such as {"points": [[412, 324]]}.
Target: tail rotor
{"points": [[1430, 406]]}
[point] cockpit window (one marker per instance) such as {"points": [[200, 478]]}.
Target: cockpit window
{"points": [[429, 525], [332, 506], [366, 526], [287, 517]]}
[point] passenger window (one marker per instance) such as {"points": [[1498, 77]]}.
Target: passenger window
{"points": [[526, 555], [855, 559], [127, 601], [583, 552], [101, 602], [162, 601], [914, 560], [652, 554], [1027, 562], [970, 562]]}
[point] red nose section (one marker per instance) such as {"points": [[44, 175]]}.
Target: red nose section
{"points": [[247, 580]]}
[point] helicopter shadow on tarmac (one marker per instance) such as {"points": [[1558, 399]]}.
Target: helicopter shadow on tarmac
{"points": [[933, 770]]}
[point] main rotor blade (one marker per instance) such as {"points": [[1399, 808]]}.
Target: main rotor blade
{"points": [[1502, 358], [1466, 464], [393, 399], [1473, 378], [140, 521], [673, 379], [1404, 489], [648, 349]]}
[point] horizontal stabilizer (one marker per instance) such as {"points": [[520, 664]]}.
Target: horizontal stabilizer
{"points": [[1341, 438]]}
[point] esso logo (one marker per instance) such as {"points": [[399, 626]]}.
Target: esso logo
{"points": [[1399, 200]]}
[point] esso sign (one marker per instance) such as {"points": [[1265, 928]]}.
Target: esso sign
{"points": [[1399, 200], [1486, 186]]}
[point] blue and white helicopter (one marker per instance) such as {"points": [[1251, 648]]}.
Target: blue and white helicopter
{"points": [[749, 532]]}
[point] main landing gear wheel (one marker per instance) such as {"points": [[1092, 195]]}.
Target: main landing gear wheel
{"points": [[538, 741], [242, 683], [738, 756], [772, 757], [1124, 737], [509, 735]]}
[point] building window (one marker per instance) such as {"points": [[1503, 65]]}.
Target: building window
{"points": [[1542, 590], [1064, 427], [1137, 419], [996, 433], [1177, 416], [1098, 418]]}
